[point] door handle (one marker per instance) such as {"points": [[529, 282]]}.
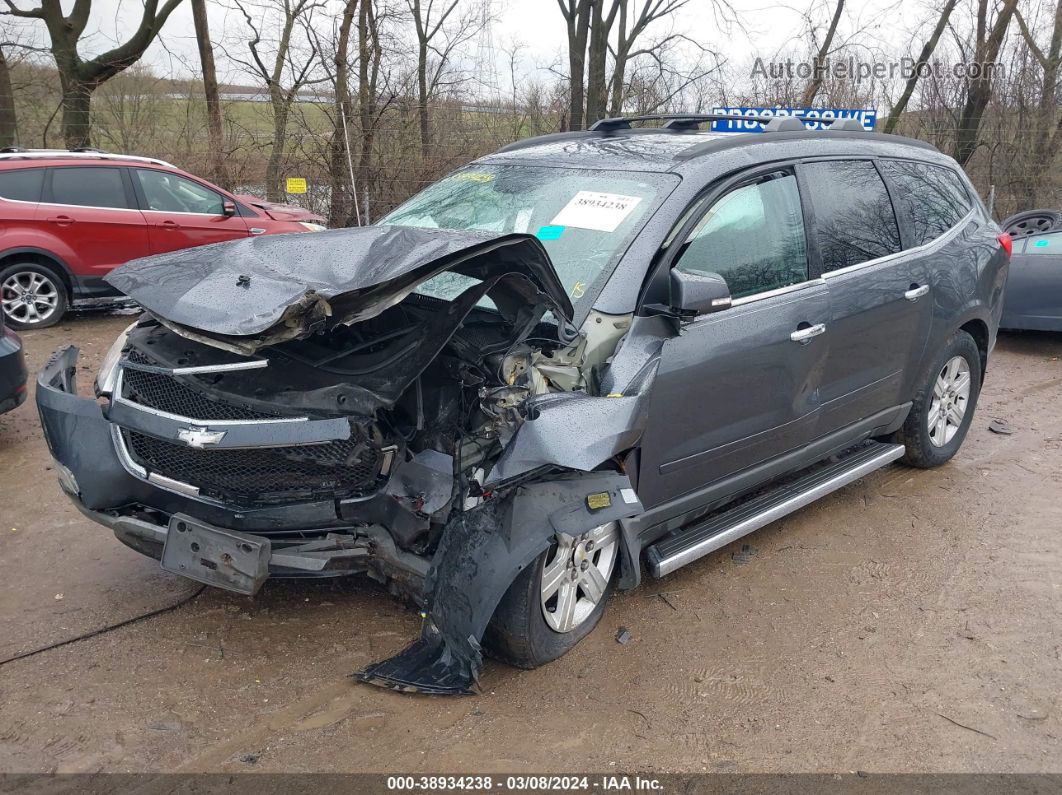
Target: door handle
{"points": [[916, 292], [804, 335], [168, 225], [61, 220]]}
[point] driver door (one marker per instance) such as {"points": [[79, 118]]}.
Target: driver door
{"points": [[740, 386], [182, 213]]}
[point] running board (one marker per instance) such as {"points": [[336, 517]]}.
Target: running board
{"points": [[720, 529]]}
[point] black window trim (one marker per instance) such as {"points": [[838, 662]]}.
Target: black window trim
{"points": [[44, 176], [690, 216], [47, 196]]}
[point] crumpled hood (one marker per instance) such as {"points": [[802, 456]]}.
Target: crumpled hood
{"points": [[281, 287], [280, 212]]}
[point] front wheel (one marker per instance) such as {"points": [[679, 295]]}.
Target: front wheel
{"points": [[943, 407], [31, 296], [556, 601]]}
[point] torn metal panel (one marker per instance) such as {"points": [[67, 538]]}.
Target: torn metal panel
{"points": [[480, 553], [288, 286]]}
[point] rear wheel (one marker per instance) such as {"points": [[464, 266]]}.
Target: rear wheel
{"points": [[31, 296], [943, 407], [557, 600]]}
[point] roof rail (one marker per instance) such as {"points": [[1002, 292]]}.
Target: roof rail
{"points": [[676, 122], [86, 153]]}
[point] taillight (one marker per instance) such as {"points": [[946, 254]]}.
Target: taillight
{"points": [[1007, 242]]}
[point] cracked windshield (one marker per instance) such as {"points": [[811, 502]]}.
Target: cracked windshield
{"points": [[585, 218]]}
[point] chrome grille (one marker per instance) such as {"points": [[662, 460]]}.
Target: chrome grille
{"points": [[174, 396], [346, 467]]}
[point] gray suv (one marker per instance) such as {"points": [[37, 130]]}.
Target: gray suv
{"points": [[585, 356]]}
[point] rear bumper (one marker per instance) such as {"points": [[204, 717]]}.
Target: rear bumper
{"points": [[308, 539]]}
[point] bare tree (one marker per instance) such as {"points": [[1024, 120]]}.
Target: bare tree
{"points": [[8, 117], [596, 59], [819, 61], [626, 39], [987, 43], [80, 78], [210, 92], [284, 75], [577, 20], [923, 59], [1047, 123]]}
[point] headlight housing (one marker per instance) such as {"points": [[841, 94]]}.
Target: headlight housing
{"points": [[309, 227], [109, 366]]}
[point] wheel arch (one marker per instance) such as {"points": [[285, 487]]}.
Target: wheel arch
{"points": [[978, 329], [40, 256]]}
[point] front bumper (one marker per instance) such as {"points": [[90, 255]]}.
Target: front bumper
{"points": [[12, 371], [306, 539]]}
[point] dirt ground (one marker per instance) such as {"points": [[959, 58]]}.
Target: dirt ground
{"points": [[910, 622]]}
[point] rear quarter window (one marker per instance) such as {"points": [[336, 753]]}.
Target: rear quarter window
{"points": [[22, 184], [934, 198]]}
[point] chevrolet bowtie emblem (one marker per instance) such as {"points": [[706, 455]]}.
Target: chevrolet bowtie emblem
{"points": [[199, 437]]}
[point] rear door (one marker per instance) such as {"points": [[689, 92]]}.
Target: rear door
{"points": [[182, 212], [91, 208], [736, 388], [20, 193], [880, 302]]}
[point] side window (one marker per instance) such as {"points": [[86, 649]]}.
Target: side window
{"points": [[88, 186], [22, 185], [173, 194], [1049, 244], [753, 237], [934, 197], [854, 219]]}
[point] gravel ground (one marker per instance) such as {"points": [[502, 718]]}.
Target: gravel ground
{"points": [[909, 622]]}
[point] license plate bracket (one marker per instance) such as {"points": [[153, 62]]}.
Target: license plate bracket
{"points": [[215, 556]]}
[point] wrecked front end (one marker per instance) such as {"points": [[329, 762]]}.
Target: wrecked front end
{"points": [[378, 430]]}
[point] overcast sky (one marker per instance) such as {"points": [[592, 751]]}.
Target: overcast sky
{"points": [[766, 28]]}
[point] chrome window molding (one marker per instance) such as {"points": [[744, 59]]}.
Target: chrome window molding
{"points": [[922, 249], [789, 288]]}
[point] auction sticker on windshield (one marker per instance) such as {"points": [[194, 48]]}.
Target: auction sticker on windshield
{"points": [[602, 212]]}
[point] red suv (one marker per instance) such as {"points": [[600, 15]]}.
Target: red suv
{"points": [[68, 218]]}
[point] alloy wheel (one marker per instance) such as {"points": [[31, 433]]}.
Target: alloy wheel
{"points": [[29, 297], [576, 576], [951, 398]]}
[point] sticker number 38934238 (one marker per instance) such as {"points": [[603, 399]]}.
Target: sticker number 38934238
{"points": [[602, 212]]}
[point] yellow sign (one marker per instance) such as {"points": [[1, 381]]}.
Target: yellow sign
{"points": [[597, 501], [296, 185]]}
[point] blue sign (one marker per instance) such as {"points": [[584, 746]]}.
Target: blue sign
{"points": [[827, 115]]}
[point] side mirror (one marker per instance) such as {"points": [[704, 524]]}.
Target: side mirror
{"points": [[694, 293], [228, 209]]}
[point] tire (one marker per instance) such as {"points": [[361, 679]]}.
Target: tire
{"points": [[48, 297], [1032, 222], [932, 446], [520, 633]]}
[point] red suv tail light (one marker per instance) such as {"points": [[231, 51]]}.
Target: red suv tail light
{"points": [[1007, 242]]}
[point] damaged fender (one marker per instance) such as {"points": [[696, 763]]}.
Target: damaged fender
{"points": [[480, 554]]}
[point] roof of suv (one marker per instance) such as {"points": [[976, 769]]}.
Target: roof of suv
{"points": [[662, 150], [50, 156]]}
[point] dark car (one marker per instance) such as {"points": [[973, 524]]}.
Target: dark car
{"points": [[68, 218], [12, 370], [1034, 289], [581, 354]]}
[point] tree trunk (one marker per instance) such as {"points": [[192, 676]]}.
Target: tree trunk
{"points": [[366, 101], [210, 92], [979, 90], [596, 80], [339, 208], [813, 87], [1046, 138], [923, 59], [8, 120], [578, 23], [275, 165], [422, 97], [77, 113]]}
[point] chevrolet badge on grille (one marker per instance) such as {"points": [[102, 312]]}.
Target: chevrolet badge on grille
{"points": [[199, 437]]}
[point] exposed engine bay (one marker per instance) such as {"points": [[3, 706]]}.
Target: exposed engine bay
{"points": [[427, 433]]}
